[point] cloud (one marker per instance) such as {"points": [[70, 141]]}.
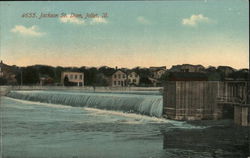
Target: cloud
{"points": [[71, 19], [31, 31], [194, 20], [98, 20], [143, 20]]}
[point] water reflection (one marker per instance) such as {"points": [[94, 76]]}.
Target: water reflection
{"points": [[218, 141]]}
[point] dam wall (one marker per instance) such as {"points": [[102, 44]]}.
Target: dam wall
{"points": [[87, 88], [150, 105]]}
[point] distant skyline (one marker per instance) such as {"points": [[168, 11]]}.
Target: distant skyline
{"points": [[135, 33]]}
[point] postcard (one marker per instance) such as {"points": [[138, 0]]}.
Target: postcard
{"points": [[124, 79]]}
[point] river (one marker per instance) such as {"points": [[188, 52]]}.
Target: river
{"points": [[41, 129]]}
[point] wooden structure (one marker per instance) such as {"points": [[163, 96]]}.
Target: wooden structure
{"points": [[190, 100], [196, 100], [236, 96]]}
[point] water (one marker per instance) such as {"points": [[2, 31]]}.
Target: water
{"points": [[34, 129], [141, 103]]}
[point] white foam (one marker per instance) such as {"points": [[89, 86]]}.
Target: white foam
{"points": [[39, 103], [137, 117]]}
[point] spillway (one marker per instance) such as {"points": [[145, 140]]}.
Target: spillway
{"points": [[145, 104]]}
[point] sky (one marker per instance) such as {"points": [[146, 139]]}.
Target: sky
{"points": [[134, 33]]}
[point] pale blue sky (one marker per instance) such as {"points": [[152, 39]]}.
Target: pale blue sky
{"points": [[136, 33]]}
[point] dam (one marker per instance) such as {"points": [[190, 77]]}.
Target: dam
{"points": [[179, 100], [140, 102]]}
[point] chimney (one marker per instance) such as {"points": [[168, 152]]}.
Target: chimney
{"points": [[116, 68]]}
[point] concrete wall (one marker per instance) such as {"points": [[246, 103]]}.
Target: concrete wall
{"points": [[191, 100]]}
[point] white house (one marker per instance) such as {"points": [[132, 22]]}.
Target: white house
{"points": [[74, 77], [133, 79], [119, 79]]}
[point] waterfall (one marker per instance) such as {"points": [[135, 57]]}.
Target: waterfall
{"points": [[132, 103]]}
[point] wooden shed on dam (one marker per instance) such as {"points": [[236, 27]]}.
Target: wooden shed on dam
{"points": [[190, 100], [201, 99]]}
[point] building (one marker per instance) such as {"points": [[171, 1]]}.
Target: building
{"points": [[72, 78], [152, 68], [187, 68], [226, 70], [191, 100], [1, 72], [133, 79], [119, 79], [154, 82], [122, 78], [187, 76], [7, 74], [158, 73]]}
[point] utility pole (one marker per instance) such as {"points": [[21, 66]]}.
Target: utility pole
{"points": [[248, 83], [21, 76], [248, 100]]}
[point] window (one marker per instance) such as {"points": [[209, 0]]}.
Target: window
{"points": [[129, 80], [134, 80], [114, 82], [136, 75], [114, 76], [119, 75], [130, 75], [80, 76], [75, 77], [119, 83]]}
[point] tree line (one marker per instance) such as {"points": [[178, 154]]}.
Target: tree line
{"points": [[93, 76]]}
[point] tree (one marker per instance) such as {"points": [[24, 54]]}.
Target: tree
{"points": [[66, 81], [144, 81], [89, 76], [58, 73], [100, 80], [30, 75], [165, 76], [3, 81], [46, 70]]}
